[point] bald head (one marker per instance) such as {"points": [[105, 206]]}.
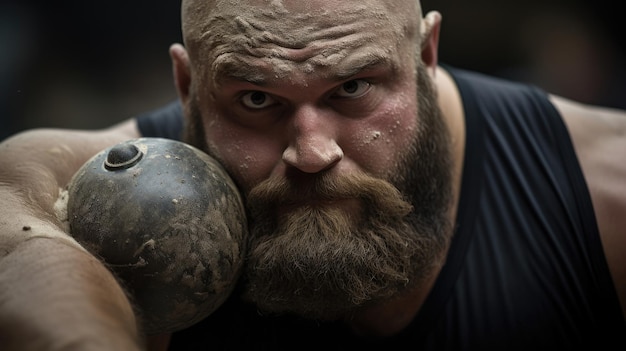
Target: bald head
{"points": [[195, 12], [213, 27]]}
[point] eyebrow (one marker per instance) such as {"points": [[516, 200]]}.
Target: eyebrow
{"points": [[363, 63], [230, 68], [234, 69]]}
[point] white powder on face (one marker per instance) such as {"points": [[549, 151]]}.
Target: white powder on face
{"points": [[288, 35]]}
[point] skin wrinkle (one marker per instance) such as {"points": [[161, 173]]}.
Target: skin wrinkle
{"points": [[322, 43], [233, 66]]}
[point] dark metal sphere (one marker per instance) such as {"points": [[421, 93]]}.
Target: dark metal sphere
{"points": [[168, 221]]}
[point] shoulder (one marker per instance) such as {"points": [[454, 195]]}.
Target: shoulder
{"points": [[599, 138], [165, 121], [506, 102]]}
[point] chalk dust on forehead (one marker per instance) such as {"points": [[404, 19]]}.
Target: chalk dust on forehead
{"points": [[288, 28], [272, 29]]}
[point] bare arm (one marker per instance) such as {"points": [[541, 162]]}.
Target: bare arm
{"points": [[53, 294], [599, 137]]}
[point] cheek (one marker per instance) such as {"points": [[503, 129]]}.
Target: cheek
{"points": [[378, 142], [247, 155], [247, 158]]}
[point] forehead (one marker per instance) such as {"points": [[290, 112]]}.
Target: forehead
{"points": [[289, 34]]}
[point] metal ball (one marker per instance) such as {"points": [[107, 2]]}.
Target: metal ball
{"points": [[168, 221]]}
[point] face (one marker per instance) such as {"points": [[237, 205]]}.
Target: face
{"points": [[335, 141]]}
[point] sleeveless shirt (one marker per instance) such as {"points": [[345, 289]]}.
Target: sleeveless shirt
{"points": [[525, 270]]}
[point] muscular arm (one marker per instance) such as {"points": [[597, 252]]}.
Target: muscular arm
{"points": [[599, 137], [53, 294]]}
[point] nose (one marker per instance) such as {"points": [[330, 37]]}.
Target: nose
{"points": [[312, 144]]}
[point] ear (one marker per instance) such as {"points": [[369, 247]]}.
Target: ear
{"points": [[182, 72], [431, 24]]}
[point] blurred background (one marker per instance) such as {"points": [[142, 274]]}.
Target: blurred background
{"points": [[81, 64]]}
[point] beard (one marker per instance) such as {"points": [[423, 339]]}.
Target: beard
{"points": [[310, 255]]}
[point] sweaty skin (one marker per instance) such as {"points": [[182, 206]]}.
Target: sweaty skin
{"points": [[282, 90], [239, 47]]}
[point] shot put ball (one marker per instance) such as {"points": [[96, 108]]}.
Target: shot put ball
{"points": [[169, 223]]}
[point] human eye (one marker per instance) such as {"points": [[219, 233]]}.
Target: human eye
{"points": [[353, 89], [257, 100]]}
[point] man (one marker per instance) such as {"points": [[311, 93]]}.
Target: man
{"points": [[393, 202]]}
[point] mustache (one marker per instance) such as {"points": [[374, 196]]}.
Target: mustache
{"points": [[326, 187]]}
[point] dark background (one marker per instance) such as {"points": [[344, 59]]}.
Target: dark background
{"points": [[82, 64]]}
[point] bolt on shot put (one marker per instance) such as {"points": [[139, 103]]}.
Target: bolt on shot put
{"points": [[323, 182]]}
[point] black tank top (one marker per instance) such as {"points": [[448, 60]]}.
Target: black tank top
{"points": [[526, 269]]}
